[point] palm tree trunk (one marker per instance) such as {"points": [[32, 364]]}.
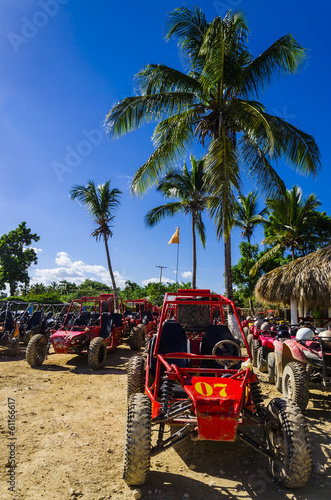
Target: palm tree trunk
{"points": [[109, 266], [194, 276], [227, 265]]}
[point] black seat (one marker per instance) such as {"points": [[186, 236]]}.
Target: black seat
{"points": [[173, 339], [117, 319], [83, 318], [213, 335], [106, 325], [34, 321]]}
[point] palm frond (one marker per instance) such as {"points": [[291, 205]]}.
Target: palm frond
{"points": [[187, 24], [284, 56], [132, 112], [158, 213], [159, 78]]}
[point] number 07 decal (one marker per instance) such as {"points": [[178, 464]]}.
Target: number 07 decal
{"points": [[206, 389]]}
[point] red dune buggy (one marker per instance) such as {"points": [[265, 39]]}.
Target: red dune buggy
{"points": [[92, 327], [140, 313], [196, 380]]}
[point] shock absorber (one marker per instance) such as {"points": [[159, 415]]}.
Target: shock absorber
{"points": [[257, 399], [167, 392]]}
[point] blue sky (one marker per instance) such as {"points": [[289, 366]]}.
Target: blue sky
{"points": [[64, 63]]}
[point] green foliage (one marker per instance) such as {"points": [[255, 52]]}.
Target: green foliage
{"points": [[243, 281], [294, 225], [156, 291], [132, 291], [15, 257]]}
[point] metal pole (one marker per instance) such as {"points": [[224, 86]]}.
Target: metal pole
{"points": [[161, 267], [177, 263]]}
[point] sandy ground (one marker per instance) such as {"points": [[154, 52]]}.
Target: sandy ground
{"points": [[68, 441]]}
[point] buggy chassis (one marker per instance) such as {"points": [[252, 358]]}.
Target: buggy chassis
{"points": [[195, 379]]}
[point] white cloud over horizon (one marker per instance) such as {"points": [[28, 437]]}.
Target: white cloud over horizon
{"points": [[187, 274], [75, 272], [157, 280]]}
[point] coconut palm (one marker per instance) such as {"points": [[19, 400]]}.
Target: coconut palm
{"points": [[246, 210], [215, 104], [289, 224], [189, 188], [101, 202]]}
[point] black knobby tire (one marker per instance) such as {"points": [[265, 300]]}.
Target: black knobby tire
{"points": [[136, 339], [287, 436], [261, 363], [271, 367], [97, 353], [255, 346], [27, 337], [36, 351], [138, 440], [295, 384], [14, 347], [136, 376]]}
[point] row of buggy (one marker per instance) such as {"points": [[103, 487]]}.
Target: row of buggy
{"points": [[93, 326], [294, 356], [196, 381], [20, 321]]}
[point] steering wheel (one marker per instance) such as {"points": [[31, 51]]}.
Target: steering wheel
{"points": [[230, 362]]}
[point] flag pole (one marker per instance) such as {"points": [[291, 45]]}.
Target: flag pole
{"points": [[177, 263]]}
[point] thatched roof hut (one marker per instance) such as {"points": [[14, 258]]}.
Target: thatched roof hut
{"points": [[306, 281]]}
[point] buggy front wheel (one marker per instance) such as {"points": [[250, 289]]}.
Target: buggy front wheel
{"points": [[136, 375], [97, 353], [138, 440], [287, 438], [36, 351], [261, 363]]}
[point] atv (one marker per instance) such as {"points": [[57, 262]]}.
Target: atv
{"points": [[303, 361], [141, 313], [195, 382], [92, 327]]}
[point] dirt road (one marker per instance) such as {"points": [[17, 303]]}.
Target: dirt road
{"points": [[68, 441]]}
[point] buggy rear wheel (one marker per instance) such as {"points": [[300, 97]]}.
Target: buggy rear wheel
{"points": [[271, 367], [136, 338], [261, 363], [295, 384], [36, 351], [288, 438], [138, 440], [97, 353], [136, 376]]}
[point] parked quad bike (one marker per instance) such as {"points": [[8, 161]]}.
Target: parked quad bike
{"points": [[195, 381], [302, 363]]}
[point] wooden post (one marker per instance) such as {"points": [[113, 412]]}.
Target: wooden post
{"points": [[294, 311]]}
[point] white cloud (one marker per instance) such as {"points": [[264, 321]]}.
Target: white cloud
{"points": [[157, 280], [75, 271], [187, 274]]}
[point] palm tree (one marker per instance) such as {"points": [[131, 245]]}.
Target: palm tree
{"points": [[246, 210], [189, 187], [289, 224], [101, 203], [215, 103]]}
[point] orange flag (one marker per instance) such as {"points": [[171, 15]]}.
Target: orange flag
{"points": [[175, 237]]}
